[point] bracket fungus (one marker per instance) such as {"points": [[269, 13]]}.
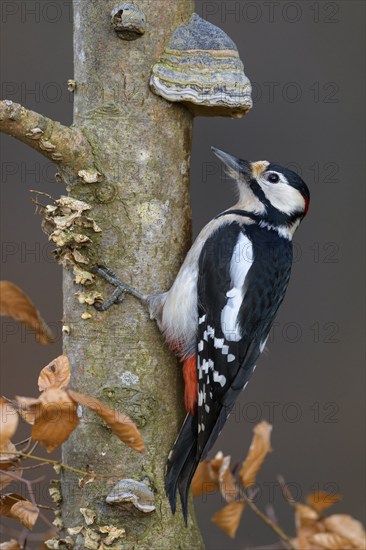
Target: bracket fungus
{"points": [[128, 21], [130, 490], [201, 68]]}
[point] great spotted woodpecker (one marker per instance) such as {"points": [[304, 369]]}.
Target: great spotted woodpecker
{"points": [[217, 315]]}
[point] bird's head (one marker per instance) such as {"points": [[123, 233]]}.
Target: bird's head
{"points": [[273, 193]]}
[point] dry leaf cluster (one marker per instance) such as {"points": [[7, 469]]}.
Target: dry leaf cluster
{"points": [[53, 414], [313, 530], [215, 475], [53, 417], [335, 532]]}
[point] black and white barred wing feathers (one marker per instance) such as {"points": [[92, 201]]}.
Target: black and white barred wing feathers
{"points": [[225, 262], [243, 274]]}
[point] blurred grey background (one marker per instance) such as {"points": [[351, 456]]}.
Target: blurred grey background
{"points": [[306, 62]]}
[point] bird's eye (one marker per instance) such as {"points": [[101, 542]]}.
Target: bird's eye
{"points": [[272, 177]]}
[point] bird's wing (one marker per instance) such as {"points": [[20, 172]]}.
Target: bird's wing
{"points": [[239, 291]]}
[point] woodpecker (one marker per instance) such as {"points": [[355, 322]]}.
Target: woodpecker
{"points": [[217, 315]]}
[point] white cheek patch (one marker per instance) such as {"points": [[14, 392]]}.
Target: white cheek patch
{"points": [[283, 196], [247, 199], [240, 264]]}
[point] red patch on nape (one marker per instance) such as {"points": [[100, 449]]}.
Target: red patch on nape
{"points": [[190, 384], [307, 204]]}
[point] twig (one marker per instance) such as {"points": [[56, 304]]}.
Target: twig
{"points": [[271, 514], [60, 464], [43, 193], [27, 440], [38, 204], [269, 522], [48, 461], [28, 483], [45, 507], [35, 445], [286, 491], [34, 466]]}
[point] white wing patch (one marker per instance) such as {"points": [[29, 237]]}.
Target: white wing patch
{"points": [[240, 264], [219, 378], [219, 343], [262, 345]]}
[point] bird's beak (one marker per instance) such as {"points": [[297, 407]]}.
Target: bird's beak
{"points": [[236, 167]]}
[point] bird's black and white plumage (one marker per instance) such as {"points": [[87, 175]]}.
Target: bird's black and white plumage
{"points": [[217, 315], [220, 309]]}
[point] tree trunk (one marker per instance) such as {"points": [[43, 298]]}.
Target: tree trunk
{"points": [[127, 156], [141, 147]]}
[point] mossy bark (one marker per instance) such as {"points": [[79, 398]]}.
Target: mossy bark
{"points": [[141, 147]]}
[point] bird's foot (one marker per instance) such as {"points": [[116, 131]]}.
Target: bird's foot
{"points": [[121, 288]]}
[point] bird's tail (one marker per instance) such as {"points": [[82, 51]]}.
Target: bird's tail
{"points": [[186, 455], [182, 464]]}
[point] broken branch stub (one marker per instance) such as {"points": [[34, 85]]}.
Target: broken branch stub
{"points": [[128, 21], [65, 146]]}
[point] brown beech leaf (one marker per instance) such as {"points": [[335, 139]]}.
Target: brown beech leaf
{"points": [[227, 483], [331, 541], [56, 374], [307, 525], [259, 448], [27, 408], [17, 507], [213, 475], [122, 426], [6, 479], [25, 512], [204, 481], [8, 423], [305, 516], [54, 417], [321, 500], [206, 477], [16, 304], [228, 518], [8, 457], [10, 545], [347, 527], [9, 463], [8, 452]]}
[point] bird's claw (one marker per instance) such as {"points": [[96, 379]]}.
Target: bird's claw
{"points": [[118, 295], [121, 288]]}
